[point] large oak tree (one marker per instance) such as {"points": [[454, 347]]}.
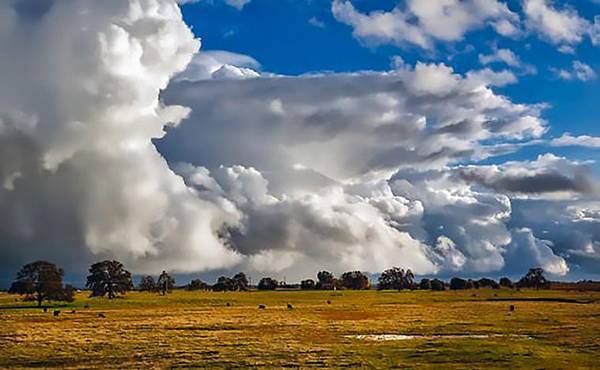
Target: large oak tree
{"points": [[108, 278]]}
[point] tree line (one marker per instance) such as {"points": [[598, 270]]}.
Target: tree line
{"points": [[43, 281]]}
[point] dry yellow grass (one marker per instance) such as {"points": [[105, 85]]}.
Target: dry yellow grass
{"points": [[197, 329]]}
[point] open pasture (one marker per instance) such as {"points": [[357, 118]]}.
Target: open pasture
{"points": [[418, 329]]}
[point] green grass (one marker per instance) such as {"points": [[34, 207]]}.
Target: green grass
{"points": [[196, 329]]}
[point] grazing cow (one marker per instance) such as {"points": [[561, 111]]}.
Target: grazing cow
{"points": [[56, 312], [228, 304], [328, 302], [290, 307], [511, 307], [86, 306], [73, 311], [45, 309], [261, 306], [102, 315]]}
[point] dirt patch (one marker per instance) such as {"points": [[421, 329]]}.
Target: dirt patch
{"points": [[349, 315]]}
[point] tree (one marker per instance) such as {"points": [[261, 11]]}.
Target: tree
{"points": [[224, 284], [396, 278], [307, 284], [165, 283], [108, 278], [42, 281], [472, 284], [147, 284], [197, 284], [488, 283], [534, 279], [506, 283], [67, 294], [457, 283], [355, 280], [241, 281], [437, 284], [267, 283], [425, 284], [325, 280]]}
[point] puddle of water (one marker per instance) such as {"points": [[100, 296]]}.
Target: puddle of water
{"points": [[388, 337]]}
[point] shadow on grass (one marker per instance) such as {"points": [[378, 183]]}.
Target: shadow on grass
{"points": [[541, 299]]}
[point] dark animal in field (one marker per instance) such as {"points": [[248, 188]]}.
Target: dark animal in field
{"points": [[73, 311], [228, 304], [290, 307], [86, 306], [328, 302], [511, 307], [56, 312], [495, 295], [102, 315], [45, 309], [473, 295], [261, 306]]}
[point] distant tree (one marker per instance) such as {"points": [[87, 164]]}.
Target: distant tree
{"points": [[308, 284], [534, 279], [67, 294], [165, 283], [396, 278], [224, 284], [41, 281], [437, 284], [506, 283], [108, 278], [488, 283], [197, 284], [355, 280], [390, 279], [326, 280], [425, 284], [409, 280], [457, 283], [241, 281], [267, 283], [471, 284], [147, 284]]}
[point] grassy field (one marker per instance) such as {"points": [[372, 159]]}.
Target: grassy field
{"points": [[198, 329]]}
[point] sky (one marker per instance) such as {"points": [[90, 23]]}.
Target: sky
{"points": [[283, 137]]}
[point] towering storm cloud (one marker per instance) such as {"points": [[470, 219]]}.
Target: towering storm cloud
{"points": [[111, 148], [79, 105]]}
